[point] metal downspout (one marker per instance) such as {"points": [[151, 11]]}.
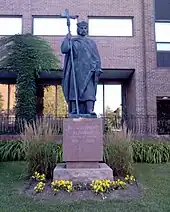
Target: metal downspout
{"points": [[145, 68]]}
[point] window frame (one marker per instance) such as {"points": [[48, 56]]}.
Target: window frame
{"points": [[113, 18], [12, 17], [48, 17], [166, 50], [161, 42]]}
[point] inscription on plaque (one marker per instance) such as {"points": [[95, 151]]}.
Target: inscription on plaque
{"points": [[83, 133], [82, 140]]}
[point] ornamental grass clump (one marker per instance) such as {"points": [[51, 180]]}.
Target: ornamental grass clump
{"points": [[118, 152], [41, 149]]}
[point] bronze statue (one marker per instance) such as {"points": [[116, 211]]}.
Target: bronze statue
{"points": [[82, 68]]}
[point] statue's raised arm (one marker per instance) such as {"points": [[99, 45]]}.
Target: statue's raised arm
{"points": [[65, 46]]}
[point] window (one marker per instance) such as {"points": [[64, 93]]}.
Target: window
{"points": [[7, 99], [109, 97], [53, 26], [98, 108], [112, 97], [162, 8], [162, 31], [10, 25], [163, 113], [110, 27], [54, 102]]}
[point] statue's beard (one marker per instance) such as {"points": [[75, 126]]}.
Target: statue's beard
{"points": [[81, 33]]}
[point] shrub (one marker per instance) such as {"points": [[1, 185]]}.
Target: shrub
{"points": [[151, 152], [15, 151], [118, 152], [27, 55], [41, 149], [12, 150]]}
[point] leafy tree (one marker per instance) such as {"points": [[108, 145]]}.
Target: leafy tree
{"points": [[112, 119], [26, 55]]}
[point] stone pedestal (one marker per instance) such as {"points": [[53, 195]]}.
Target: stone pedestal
{"points": [[82, 151]]}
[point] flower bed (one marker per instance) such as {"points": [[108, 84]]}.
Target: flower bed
{"points": [[98, 187]]}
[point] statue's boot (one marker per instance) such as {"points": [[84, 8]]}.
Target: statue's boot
{"points": [[90, 106]]}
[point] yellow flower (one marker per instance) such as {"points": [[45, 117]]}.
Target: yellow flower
{"points": [[102, 190], [53, 183], [95, 187], [132, 178], [39, 187]]}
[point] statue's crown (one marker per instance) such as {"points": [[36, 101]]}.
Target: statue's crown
{"points": [[82, 23]]}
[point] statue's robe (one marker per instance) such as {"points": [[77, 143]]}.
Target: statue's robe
{"points": [[87, 63]]}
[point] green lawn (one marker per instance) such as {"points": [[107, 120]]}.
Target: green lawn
{"points": [[155, 181]]}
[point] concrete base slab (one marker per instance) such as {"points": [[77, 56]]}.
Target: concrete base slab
{"points": [[82, 175], [82, 165]]}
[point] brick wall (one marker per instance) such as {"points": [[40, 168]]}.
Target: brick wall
{"points": [[157, 78], [136, 52]]}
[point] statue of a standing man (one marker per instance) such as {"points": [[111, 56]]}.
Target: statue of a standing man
{"points": [[87, 67]]}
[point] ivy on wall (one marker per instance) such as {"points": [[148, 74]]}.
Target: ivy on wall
{"points": [[26, 55]]}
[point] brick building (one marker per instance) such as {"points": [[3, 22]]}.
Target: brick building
{"points": [[132, 54]]}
